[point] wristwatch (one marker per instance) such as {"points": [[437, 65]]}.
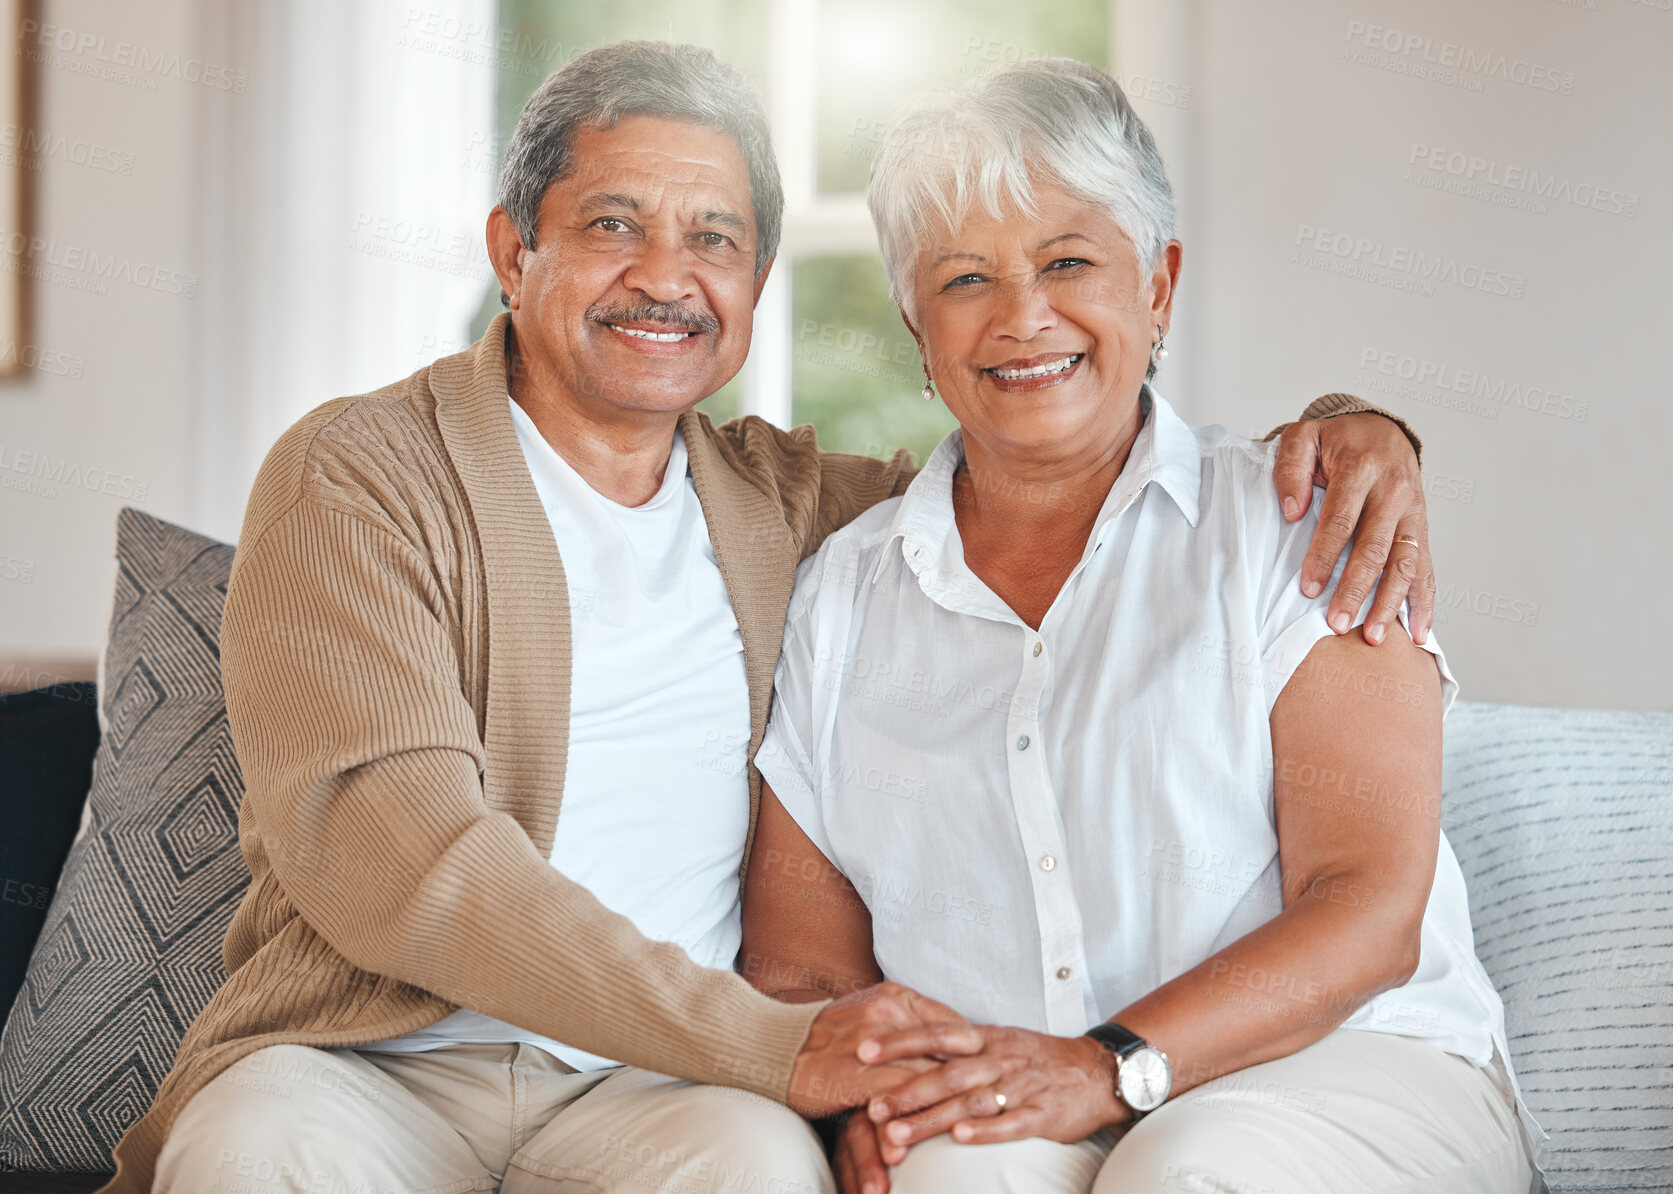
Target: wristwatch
{"points": [[1143, 1076]]}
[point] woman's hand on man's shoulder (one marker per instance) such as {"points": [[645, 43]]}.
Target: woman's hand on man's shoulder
{"points": [[1373, 495]]}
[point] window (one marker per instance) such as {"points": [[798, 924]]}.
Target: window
{"points": [[829, 347]]}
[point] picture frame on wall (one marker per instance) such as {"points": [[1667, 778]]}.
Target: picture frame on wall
{"points": [[17, 170]]}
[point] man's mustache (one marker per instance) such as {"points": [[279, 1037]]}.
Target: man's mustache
{"points": [[690, 318]]}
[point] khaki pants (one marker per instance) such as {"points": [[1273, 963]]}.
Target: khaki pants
{"points": [[1358, 1111], [290, 1119]]}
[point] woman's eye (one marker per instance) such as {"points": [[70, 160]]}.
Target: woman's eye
{"points": [[963, 280], [1063, 263]]}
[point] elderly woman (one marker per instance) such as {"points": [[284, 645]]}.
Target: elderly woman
{"points": [[1059, 741]]}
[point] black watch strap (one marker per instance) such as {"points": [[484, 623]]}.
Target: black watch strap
{"points": [[1115, 1038]]}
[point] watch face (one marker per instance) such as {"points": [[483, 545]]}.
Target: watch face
{"points": [[1145, 1079]]}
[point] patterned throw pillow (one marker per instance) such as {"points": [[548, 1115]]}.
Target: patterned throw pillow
{"points": [[1562, 820], [131, 948]]}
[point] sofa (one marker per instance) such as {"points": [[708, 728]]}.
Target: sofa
{"points": [[122, 871]]}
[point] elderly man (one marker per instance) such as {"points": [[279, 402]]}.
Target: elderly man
{"points": [[531, 574]]}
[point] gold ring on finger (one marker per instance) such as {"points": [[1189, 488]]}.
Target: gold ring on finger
{"points": [[1409, 539]]}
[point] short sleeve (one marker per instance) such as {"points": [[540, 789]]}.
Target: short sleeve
{"points": [[785, 760], [1292, 622]]}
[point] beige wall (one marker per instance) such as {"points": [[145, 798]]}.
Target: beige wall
{"points": [[310, 180], [1319, 167], [110, 405]]}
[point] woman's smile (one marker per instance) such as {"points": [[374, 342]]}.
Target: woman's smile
{"points": [[1034, 373]]}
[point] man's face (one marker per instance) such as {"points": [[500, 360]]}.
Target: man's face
{"points": [[640, 294]]}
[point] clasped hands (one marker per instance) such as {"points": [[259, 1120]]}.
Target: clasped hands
{"points": [[912, 1068]]}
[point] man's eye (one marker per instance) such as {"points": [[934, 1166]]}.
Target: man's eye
{"points": [[610, 224], [715, 240]]}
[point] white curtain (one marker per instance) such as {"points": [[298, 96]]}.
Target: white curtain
{"points": [[343, 199]]}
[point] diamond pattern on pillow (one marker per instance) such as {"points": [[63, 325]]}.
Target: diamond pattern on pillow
{"points": [[131, 948]]}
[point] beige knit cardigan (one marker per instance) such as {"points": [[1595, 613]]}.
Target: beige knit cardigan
{"points": [[396, 657]]}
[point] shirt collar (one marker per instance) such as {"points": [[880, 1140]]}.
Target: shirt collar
{"points": [[1165, 452], [1172, 457], [545, 460]]}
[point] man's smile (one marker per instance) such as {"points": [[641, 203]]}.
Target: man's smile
{"points": [[647, 334]]}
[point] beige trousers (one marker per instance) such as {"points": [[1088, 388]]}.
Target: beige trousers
{"points": [[295, 1120], [1358, 1111]]}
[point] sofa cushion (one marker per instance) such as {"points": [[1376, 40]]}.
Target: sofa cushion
{"points": [[131, 948], [1562, 821], [47, 740]]}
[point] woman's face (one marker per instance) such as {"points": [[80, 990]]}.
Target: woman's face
{"points": [[1038, 331]]}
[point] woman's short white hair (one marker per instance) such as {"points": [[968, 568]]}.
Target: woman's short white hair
{"points": [[1048, 119]]}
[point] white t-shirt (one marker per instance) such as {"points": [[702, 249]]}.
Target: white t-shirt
{"points": [[1046, 826], [656, 792]]}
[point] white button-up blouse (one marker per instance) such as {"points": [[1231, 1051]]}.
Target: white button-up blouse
{"points": [[1047, 826]]}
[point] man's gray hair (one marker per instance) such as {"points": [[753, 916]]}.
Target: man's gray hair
{"points": [[639, 78], [1048, 119]]}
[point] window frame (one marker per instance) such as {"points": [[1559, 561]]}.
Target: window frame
{"points": [[838, 223]]}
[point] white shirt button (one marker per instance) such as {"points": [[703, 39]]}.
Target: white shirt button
{"points": [[1064, 972], [1048, 863], [1038, 647], [1022, 743]]}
